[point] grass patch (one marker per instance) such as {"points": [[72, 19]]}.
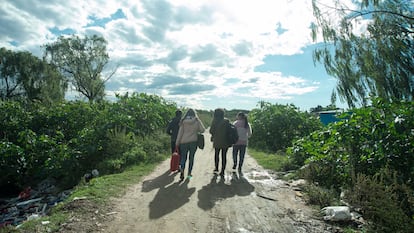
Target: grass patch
{"points": [[102, 188], [275, 162]]}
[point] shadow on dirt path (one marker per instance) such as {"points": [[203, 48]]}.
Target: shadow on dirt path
{"points": [[170, 198], [158, 182], [217, 190], [255, 201]]}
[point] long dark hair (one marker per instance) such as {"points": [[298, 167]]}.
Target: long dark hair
{"points": [[218, 113], [217, 116], [243, 116]]}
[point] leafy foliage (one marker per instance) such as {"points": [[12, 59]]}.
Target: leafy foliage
{"points": [[67, 139], [377, 62], [143, 113], [276, 126], [383, 202], [82, 61], [320, 196], [26, 77], [354, 152], [372, 138]]}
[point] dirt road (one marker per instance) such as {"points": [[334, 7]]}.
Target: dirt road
{"points": [[250, 202]]}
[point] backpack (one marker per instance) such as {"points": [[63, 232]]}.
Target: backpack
{"points": [[200, 140], [231, 134]]}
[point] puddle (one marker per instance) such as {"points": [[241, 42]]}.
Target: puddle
{"points": [[264, 178]]}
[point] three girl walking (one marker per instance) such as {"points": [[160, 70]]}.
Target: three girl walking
{"points": [[190, 125]]}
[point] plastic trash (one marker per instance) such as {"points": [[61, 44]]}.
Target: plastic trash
{"points": [[337, 213], [33, 216], [29, 201], [95, 173]]}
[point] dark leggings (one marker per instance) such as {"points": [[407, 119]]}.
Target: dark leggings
{"points": [[223, 158], [241, 151]]}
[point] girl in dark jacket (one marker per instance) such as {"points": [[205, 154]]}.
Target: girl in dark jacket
{"points": [[218, 134], [173, 127]]}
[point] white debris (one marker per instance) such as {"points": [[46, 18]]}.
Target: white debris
{"points": [[337, 213]]}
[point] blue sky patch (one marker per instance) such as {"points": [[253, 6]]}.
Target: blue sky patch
{"points": [[58, 32], [101, 22]]}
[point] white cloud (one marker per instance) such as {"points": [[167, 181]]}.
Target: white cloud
{"points": [[210, 43]]}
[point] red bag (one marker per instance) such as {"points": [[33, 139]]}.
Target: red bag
{"points": [[175, 160]]}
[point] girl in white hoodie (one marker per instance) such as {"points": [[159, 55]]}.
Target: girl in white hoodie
{"points": [[190, 126], [244, 130]]}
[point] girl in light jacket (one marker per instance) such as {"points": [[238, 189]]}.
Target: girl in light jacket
{"points": [[190, 126], [244, 130]]}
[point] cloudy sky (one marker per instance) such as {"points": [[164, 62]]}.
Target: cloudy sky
{"points": [[202, 54]]}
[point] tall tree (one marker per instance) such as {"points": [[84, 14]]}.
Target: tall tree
{"points": [[82, 61], [24, 76], [376, 62]]}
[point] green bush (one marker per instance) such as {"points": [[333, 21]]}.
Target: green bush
{"points": [[68, 139], [325, 175], [275, 127], [66, 117], [11, 163], [13, 119], [383, 203], [372, 138], [317, 195]]}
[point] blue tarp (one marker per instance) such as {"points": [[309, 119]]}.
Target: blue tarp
{"points": [[327, 117]]}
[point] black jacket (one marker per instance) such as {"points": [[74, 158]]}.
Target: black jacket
{"points": [[218, 132], [173, 127]]}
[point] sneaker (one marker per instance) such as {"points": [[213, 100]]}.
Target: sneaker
{"points": [[222, 173], [189, 176]]}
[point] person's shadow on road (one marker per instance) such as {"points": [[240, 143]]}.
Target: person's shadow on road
{"points": [[241, 185], [158, 182], [216, 190], [170, 198]]}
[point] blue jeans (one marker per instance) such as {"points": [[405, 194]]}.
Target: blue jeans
{"points": [[187, 149], [241, 150]]}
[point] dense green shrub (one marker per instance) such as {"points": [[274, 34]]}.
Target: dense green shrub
{"points": [[141, 113], [372, 138], [67, 139], [353, 153], [13, 119], [11, 163], [317, 195], [383, 203], [277, 126], [67, 117]]}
